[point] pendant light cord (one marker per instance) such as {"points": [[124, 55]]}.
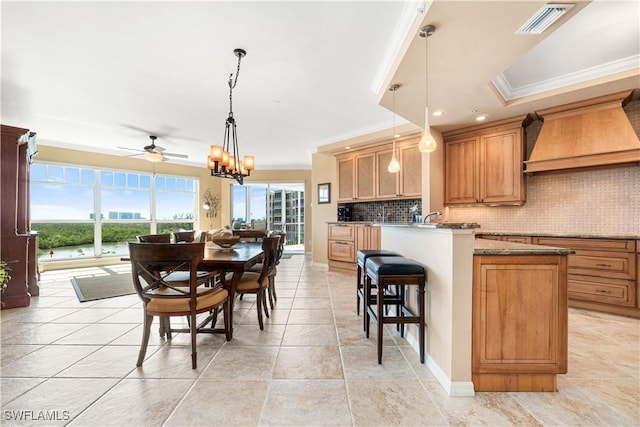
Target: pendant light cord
{"points": [[232, 84]]}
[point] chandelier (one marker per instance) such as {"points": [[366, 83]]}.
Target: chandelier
{"points": [[224, 160]]}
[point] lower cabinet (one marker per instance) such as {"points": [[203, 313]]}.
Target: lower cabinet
{"points": [[603, 273], [519, 332], [345, 240]]}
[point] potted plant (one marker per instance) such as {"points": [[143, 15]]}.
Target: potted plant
{"points": [[5, 276]]}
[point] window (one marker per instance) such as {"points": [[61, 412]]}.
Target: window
{"points": [[275, 206], [65, 199]]}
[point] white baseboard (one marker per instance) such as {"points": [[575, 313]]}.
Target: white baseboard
{"points": [[452, 388]]}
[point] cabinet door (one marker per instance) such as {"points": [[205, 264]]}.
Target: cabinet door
{"points": [[386, 182], [501, 167], [346, 181], [367, 237], [410, 171], [460, 172], [341, 251], [365, 176], [519, 314]]}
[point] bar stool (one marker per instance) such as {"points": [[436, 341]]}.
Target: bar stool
{"points": [[362, 257], [387, 271]]}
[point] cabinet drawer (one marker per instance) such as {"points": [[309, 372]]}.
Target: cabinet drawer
{"points": [[341, 251], [342, 232], [588, 244], [607, 291], [619, 265]]}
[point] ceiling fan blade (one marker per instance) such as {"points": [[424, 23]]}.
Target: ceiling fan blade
{"points": [[182, 156], [131, 149]]}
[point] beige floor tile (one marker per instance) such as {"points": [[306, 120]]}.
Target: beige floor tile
{"points": [[221, 403], [11, 388], [60, 399], [45, 314], [306, 402], [310, 317], [121, 406], [251, 335], [97, 334], [310, 335], [242, 363], [361, 363], [47, 361], [88, 316], [44, 333], [308, 363], [107, 362], [11, 353], [172, 362], [570, 407], [392, 403], [623, 395]]}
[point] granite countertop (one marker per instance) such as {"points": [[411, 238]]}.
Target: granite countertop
{"points": [[432, 225], [570, 235], [497, 247]]}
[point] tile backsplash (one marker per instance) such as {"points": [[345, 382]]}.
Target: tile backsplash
{"points": [[395, 210], [586, 202]]}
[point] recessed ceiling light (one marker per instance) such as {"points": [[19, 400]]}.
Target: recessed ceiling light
{"points": [[347, 148], [481, 117], [437, 113], [397, 135]]}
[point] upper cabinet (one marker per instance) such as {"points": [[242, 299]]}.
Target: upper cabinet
{"points": [[484, 165], [363, 174]]}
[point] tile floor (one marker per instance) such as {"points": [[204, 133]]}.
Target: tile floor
{"points": [[74, 363]]}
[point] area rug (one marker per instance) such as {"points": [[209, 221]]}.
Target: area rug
{"points": [[102, 283]]}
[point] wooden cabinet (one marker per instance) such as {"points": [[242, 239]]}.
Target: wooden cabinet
{"points": [[363, 174], [519, 329], [485, 165], [345, 240], [367, 237], [346, 179], [603, 273]]}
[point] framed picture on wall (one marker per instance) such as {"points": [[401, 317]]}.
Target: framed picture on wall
{"points": [[324, 193]]}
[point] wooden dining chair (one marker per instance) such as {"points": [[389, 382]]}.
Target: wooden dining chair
{"points": [[151, 263], [250, 235], [271, 289], [258, 282], [154, 238], [184, 236]]}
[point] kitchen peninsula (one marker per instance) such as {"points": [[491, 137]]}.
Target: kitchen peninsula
{"points": [[496, 311]]}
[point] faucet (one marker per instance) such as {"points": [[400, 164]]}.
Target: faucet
{"points": [[427, 216], [382, 216]]}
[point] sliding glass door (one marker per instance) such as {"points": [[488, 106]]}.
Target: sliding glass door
{"points": [[274, 206]]}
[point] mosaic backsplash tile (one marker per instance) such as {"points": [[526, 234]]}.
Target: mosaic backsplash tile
{"points": [[394, 210]]}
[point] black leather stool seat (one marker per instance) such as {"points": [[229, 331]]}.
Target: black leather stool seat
{"points": [[362, 257], [392, 266], [399, 272]]}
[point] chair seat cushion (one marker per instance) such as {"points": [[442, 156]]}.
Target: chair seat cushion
{"points": [[368, 253], [249, 282], [392, 266], [183, 276], [168, 305]]}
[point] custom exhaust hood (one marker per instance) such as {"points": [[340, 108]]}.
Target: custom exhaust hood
{"points": [[590, 133]]}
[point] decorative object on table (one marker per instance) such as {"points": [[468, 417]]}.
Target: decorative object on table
{"points": [[394, 164], [224, 161], [226, 242], [324, 193], [427, 142]]}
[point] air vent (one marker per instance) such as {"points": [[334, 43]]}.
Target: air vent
{"points": [[543, 18]]}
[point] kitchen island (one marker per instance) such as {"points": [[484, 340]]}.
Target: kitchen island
{"points": [[496, 311]]}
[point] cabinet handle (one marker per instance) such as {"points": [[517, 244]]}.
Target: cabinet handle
{"points": [[342, 243], [603, 265], [603, 291]]}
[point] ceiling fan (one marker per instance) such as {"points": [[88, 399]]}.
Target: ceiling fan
{"points": [[154, 153]]}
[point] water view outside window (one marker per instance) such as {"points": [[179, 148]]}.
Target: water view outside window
{"points": [[64, 200]]}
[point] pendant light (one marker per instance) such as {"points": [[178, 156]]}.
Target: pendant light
{"points": [[427, 142], [394, 164]]}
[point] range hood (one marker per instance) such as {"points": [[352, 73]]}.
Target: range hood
{"points": [[590, 133]]}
